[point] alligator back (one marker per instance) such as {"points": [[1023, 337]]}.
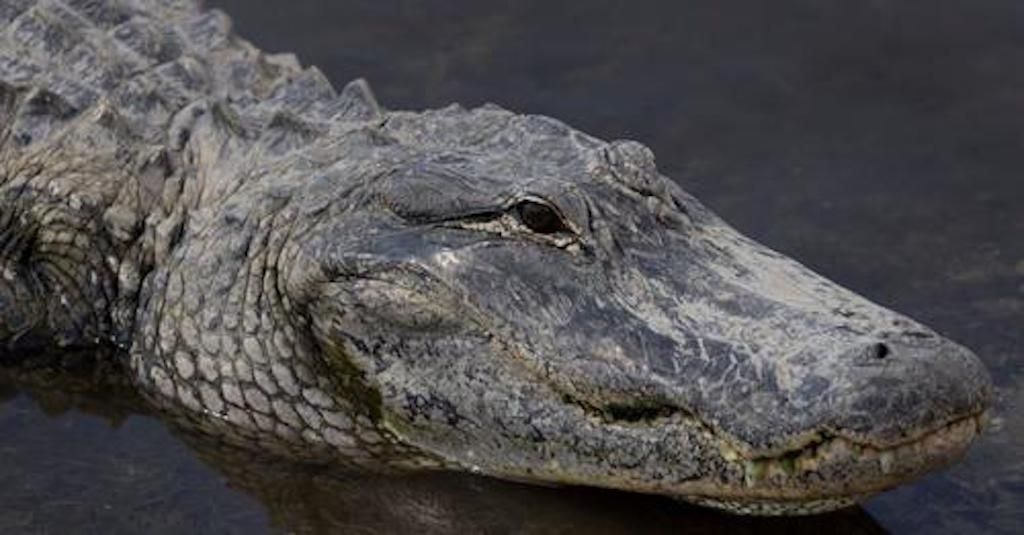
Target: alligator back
{"points": [[145, 59], [100, 105]]}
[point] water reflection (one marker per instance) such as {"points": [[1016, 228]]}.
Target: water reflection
{"points": [[94, 458]]}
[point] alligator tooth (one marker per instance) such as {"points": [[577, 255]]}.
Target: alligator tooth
{"points": [[885, 461], [728, 453], [842, 447], [807, 463], [753, 471], [991, 424], [771, 468], [981, 422]]}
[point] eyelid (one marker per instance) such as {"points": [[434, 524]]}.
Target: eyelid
{"points": [[528, 197], [511, 204], [569, 240]]}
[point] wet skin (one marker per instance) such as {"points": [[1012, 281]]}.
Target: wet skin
{"points": [[302, 271]]}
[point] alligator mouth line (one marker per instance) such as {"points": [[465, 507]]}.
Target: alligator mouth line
{"points": [[953, 436], [770, 477], [769, 482], [808, 451]]}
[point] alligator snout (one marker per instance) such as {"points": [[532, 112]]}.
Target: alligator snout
{"points": [[907, 385], [766, 398], [799, 423]]}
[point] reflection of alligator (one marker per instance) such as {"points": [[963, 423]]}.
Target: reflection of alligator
{"points": [[300, 271]]}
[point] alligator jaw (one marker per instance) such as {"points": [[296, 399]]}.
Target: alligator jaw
{"points": [[767, 478]]}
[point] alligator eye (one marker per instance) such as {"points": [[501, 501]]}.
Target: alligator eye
{"points": [[540, 218]]}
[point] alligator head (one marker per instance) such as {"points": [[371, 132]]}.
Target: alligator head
{"points": [[528, 302], [490, 291]]}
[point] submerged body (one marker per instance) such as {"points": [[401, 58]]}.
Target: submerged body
{"points": [[297, 270]]}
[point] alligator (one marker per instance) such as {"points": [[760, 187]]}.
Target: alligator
{"points": [[299, 271]]}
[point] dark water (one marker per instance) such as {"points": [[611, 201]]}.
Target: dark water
{"points": [[880, 142]]}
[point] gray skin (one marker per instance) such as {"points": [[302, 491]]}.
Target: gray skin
{"points": [[297, 270]]}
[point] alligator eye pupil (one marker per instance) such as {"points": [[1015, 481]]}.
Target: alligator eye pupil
{"points": [[539, 218]]}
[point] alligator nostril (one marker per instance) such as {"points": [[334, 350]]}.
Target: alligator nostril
{"points": [[880, 351]]}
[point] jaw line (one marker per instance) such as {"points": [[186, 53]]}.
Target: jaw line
{"points": [[765, 477], [770, 484], [817, 441]]}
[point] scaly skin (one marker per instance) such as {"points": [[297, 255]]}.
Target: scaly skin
{"points": [[297, 270]]}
